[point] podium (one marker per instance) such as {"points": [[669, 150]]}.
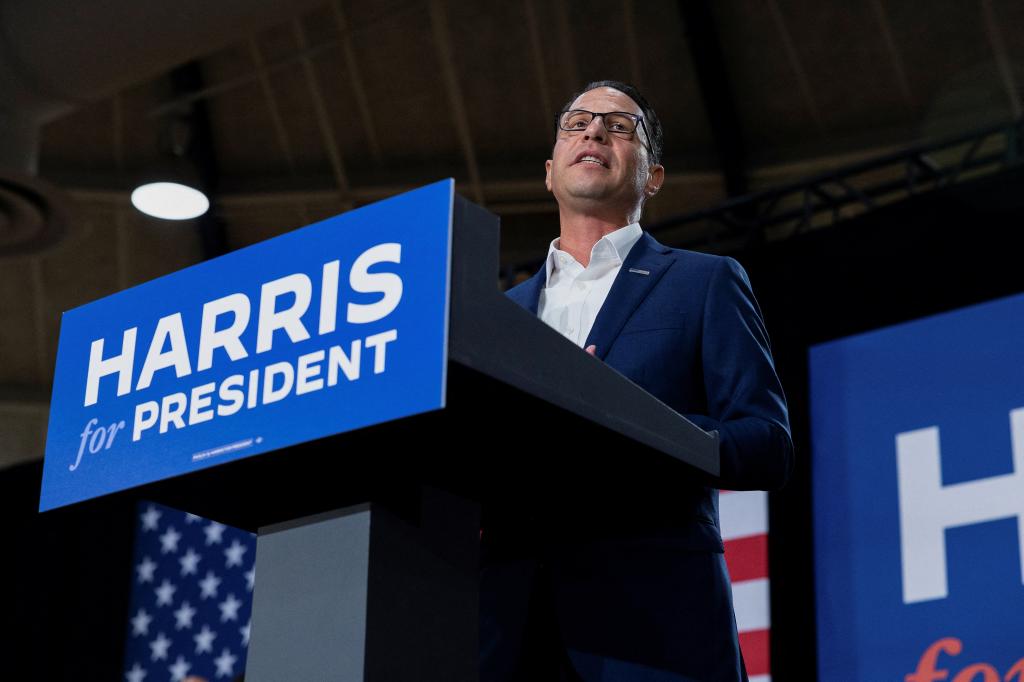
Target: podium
{"points": [[368, 539]]}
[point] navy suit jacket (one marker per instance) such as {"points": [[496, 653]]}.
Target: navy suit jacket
{"points": [[647, 590]]}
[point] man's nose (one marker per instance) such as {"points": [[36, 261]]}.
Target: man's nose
{"points": [[596, 130]]}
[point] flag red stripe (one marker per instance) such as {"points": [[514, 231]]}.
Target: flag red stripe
{"points": [[754, 645], [747, 558]]}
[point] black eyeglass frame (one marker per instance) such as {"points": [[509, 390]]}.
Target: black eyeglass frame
{"points": [[637, 118]]}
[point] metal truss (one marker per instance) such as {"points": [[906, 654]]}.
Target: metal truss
{"points": [[831, 197]]}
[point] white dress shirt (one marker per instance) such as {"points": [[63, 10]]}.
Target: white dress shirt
{"points": [[573, 294]]}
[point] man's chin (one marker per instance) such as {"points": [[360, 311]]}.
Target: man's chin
{"points": [[590, 191]]}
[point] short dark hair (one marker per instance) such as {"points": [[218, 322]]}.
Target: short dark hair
{"points": [[651, 122]]}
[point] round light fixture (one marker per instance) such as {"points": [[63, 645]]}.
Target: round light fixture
{"points": [[170, 201]]}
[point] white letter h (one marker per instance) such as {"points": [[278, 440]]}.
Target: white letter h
{"points": [[928, 508]]}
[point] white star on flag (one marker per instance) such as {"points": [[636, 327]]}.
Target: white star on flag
{"points": [[146, 569], [185, 612], [250, 578], [229, 609], [204, 640], [140, 623], [209, 585], [136, 674], [165, 593], [189, 562], [225, 664], [214, 533], [150, 518], [159, 647], [169, 540], [183, 616], [179, 669], [233, 554]]}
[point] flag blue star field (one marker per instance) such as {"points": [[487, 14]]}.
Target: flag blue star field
{"points": [[191, 597]]}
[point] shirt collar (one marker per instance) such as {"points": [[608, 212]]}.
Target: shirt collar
{"points": [[612, 246]]}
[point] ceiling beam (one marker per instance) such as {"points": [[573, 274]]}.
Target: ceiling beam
{"points": [[201, 153], [894, 54], [121, 250], [277, 121], [224, 87], [443, 43], [317, 190], [569, 64], [117, 130], [995, 38], [632, 51], [796, 65], [270, 99], [384, 16], [108, 189], [540, 67], [323, 119], [701, 34], [356, 81]]}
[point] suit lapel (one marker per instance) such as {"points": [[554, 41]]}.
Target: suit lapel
{"points": [[646, 263]]}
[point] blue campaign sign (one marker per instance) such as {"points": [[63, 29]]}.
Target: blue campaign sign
{"points": [[918, 478], [329, 328]]}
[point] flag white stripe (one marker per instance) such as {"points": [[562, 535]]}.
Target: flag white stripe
{"points": [[761, 678], [743, 513], [750, 600]]}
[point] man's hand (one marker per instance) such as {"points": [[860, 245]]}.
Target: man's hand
{"points": [[592, 349]]}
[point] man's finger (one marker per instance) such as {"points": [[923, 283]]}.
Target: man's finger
{"points": [[592, 349]]}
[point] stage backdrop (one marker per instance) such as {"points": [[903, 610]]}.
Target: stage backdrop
{"points": [[918, 475]]}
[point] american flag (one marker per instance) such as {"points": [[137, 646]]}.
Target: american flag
{"points": [[191, 597], [744, 517]]}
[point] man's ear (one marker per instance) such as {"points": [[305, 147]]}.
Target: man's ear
{"points": [[547, 174], [655, 178]]}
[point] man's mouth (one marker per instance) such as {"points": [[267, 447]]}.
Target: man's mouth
{"points": [[592, 158]]}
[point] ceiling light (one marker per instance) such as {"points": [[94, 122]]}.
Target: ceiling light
{"points": [[170, 201]]}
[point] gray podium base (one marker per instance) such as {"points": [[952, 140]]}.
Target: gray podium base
{"points": [[365, 594]]}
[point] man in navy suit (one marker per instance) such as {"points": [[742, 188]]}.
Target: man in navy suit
{"points": [[640, 591]]}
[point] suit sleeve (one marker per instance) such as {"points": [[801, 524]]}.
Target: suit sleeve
{"points": [[745, 402]]}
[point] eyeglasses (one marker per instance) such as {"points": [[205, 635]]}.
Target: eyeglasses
{"points": [[618, 123]]}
